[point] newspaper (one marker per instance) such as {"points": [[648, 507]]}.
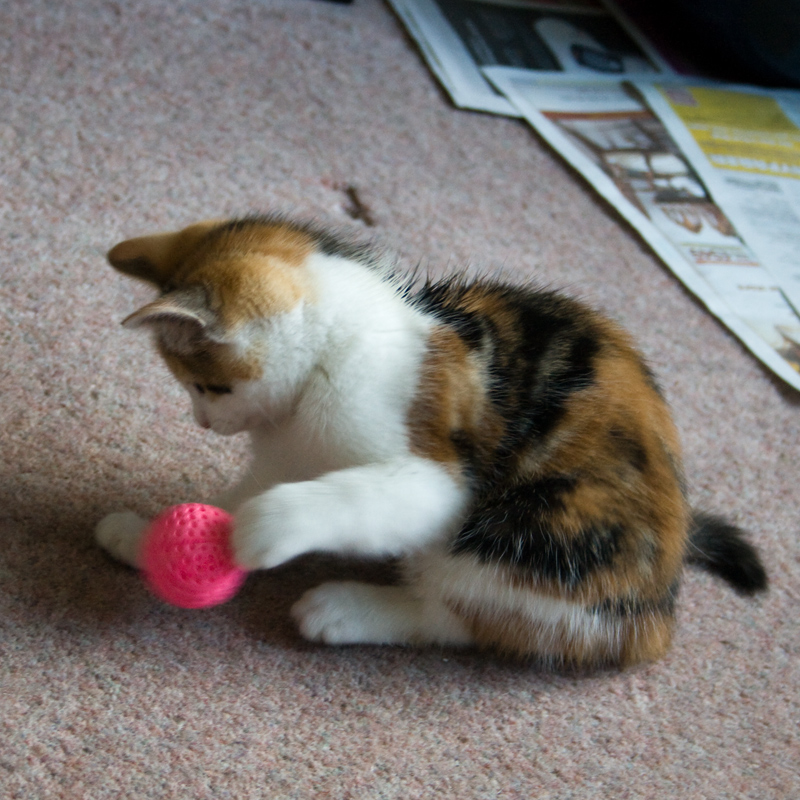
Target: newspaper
{"points": [[612, 137], [744, 143], [580, 37], [709, 175]]}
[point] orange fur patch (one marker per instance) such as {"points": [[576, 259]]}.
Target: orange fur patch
{"points": [[251, 273], [154, 258], [626, 643], [247, 272], [450, 401]]}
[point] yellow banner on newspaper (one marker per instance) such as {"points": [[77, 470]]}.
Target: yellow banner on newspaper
{"points": [[739, 130]]}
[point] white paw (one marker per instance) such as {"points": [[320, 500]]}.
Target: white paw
{"points": [[274, 527], [120, 535], [336, 613]]}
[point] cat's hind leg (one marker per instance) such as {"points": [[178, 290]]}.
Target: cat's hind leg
{"points": [[120, 535], [360, 613]]}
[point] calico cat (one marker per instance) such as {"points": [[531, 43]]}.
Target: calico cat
{"points": [[508, 444]]}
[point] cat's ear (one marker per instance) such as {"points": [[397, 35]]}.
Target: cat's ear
{"points": [[184, 313], [154, 258]]}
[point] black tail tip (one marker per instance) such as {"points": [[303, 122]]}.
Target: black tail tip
{"points": [[722, 548]]}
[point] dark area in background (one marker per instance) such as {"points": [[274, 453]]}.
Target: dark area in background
{"points": [[743, 41], [506, 35]]}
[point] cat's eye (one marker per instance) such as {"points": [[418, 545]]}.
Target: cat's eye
{"points": [[214, 388]]}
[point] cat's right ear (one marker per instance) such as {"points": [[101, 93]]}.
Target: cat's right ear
{"points": [[182, 309], [154, 258], [182, 318]]}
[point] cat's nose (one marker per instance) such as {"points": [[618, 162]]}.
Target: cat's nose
{"points": [[200, 418]]}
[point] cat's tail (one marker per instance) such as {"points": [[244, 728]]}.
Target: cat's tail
{"points": [[721, 548]]}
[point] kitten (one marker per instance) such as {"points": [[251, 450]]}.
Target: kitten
{"points": [[508, 444]]}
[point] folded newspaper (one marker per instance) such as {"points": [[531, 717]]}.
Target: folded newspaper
{"points": [[708, 174], [580, 37]]}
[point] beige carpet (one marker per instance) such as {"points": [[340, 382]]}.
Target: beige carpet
{"points": [[118, 118]]}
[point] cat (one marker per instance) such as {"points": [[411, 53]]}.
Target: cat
{"points": [[507, 444]]}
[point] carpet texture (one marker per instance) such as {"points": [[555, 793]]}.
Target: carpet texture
{"points": [[119, 119]]}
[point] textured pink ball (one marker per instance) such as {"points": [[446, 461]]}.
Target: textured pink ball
{"points": [[186, 556]]}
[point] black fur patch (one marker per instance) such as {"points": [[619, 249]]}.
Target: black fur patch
{"points": [[516, 528], [438, 299], [535, 385], [469, 326], [539, 352]]}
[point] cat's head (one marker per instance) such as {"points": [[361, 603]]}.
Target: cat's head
{"points": [[232, 318]]}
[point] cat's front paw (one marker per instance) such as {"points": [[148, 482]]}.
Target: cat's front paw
{"points": [[120, 535], [349, 612], [336, 613], [273, 528]]}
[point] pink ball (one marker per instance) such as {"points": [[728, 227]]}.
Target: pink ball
{"points": [[186, 556]]}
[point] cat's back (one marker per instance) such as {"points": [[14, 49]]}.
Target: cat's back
{"points": [[551, 375], [574, 467]]}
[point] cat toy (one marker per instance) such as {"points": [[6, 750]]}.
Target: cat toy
{"points": [[186, 556]]}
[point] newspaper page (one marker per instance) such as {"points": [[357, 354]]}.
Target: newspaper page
{"points": [[608, 133], [581, 37], [745, 144]]}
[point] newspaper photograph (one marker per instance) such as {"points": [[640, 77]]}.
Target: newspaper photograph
{"points": [[581, 37], [609, 134], [745, 144]]}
